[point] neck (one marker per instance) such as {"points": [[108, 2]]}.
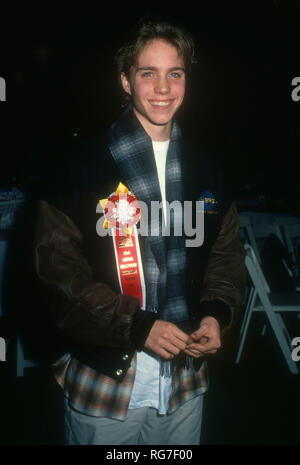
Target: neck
{"points": [[157, 132], [160, 133]]}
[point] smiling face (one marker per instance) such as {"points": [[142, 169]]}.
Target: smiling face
{"points": [[157, 86]]}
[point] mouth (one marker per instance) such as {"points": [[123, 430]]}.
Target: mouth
{"points": [[161, 104]]}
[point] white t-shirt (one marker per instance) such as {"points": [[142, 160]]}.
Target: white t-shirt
{"points": [[150, 389], [160, 154]]}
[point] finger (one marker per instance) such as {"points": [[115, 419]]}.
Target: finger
{"points": [[165, 354], [200, 332], [212, 344], [178, 343], [203, 340], [197, 354], [193, 354], [200, 338], [173, 334], [204, 351], [202, 348], [190, 340], [171, 348], [177, 338], [182, 336]]}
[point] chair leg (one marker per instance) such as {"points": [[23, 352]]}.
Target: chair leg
{"points": [[284, 330], [263, 331], [246, 322], [277, 324], [251, 299]]}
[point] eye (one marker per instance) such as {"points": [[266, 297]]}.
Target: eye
{"points": [[176, 75], [147, 74]]}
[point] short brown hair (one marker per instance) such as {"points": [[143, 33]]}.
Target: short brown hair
{"points": [[149, 29]]}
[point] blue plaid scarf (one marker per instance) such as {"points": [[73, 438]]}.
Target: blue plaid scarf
{"points": [[164, 258]]}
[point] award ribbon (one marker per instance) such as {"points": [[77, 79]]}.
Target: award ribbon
{"points": [[122, 213]]}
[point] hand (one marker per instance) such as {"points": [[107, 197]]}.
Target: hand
{"points": [[166, 339], [206, 340]]}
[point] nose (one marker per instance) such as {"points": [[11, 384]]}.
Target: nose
{"points": [[162, 85]]}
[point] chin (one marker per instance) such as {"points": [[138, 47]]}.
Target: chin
{"points": [[160, 120]]}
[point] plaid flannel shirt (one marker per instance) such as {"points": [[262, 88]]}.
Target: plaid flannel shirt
{"points": [[95, 394]]}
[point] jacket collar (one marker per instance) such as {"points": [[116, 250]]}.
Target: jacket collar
{"points": [[132, 150]]}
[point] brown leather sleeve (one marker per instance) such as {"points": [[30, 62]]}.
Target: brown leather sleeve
{"points": [[87, 311], [225, 275]]}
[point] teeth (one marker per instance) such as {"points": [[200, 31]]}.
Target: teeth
{"points": [[161, 104]]}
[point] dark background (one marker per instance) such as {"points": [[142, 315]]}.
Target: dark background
{"points": [[59, 67], [58, 63]]}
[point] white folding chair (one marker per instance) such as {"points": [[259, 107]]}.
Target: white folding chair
{"points": [[244, 221], [255, 236], [291, 234], [262, 300], [281, 220]]}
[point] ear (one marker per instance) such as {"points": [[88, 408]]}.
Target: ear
{"points": [[125, 84]]}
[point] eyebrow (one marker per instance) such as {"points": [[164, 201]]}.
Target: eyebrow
{"points": [[154, 68]]}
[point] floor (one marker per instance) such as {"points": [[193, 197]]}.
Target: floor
{"points": [[255, 402]]}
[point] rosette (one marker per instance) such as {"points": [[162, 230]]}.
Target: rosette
{"points": [[121, 210]]}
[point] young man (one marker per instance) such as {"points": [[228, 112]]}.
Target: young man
{"points": [[134, 373]]}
